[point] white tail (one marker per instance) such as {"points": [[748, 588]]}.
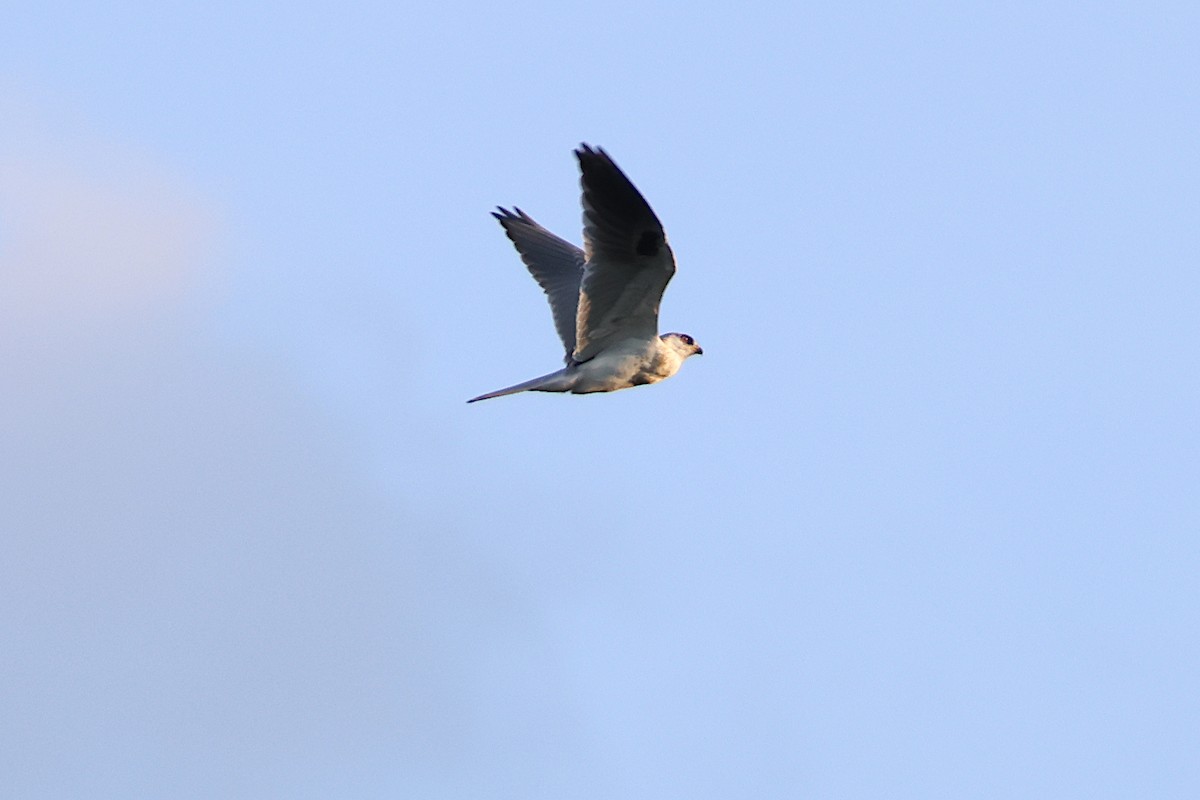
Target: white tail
{"points": [[558, 381]]}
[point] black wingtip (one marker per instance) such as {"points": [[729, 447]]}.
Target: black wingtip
{"points": [[585, 150], [592, 159], [507, 217]]}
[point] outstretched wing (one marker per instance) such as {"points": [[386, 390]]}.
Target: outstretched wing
{"points": [[556, 265], [628, 260]]}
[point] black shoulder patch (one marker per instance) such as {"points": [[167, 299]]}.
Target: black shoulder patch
{"points": [[649, 243]]}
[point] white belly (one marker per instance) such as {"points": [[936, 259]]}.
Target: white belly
{"points": [[632, 365]]}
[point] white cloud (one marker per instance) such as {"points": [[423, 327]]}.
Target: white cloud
{"points": [[90, 230]]}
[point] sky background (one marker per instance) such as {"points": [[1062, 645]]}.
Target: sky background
{"points": [[921, 523]]}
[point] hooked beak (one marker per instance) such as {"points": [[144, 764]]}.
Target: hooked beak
{"points": [[699, 351]]}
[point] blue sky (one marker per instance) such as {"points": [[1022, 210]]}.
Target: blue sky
{"points": [[922, 522]]}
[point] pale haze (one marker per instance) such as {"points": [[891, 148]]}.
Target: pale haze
{"points": [[922, 522]]}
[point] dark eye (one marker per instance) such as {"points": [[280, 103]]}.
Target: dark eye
{"points": [[688, 340]]}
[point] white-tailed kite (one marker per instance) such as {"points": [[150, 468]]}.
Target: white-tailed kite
{"points": [[605, 297]]}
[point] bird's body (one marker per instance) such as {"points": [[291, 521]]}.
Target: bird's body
{"points": [[605, 297], [632, 363]]}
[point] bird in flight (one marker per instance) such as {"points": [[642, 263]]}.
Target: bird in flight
{"points": [[604, 298]]}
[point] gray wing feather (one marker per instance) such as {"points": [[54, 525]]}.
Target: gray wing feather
{"points": [[556, 265], [629, 262]]}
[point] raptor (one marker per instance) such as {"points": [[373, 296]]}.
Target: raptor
{"points": [[605, 297]]}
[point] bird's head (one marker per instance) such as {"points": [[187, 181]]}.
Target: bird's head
{"points": [[682, 344]]}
